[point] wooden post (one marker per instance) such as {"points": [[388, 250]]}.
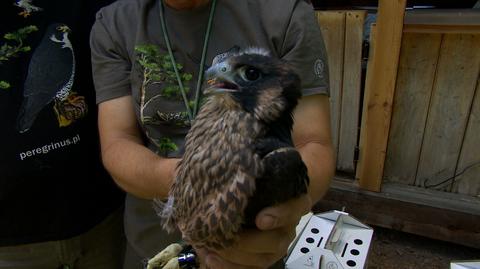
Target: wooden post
{"points": [[379, 92]]}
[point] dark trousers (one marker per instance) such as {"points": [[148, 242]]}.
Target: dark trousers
{"points": [[100, 248]]}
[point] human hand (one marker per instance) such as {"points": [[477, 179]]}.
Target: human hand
{"points": [[262, 247]]}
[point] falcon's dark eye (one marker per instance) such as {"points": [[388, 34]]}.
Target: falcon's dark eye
{"points": [[251, 74]]}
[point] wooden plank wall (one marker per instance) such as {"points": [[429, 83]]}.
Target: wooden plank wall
{"points": [[453, 92], [468, 169], [352, 76], [332, 25], [435, 113], [343, 35], [434, 134], [416, 75]]}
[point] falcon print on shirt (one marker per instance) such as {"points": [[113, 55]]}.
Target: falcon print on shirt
{"points": [[51, 81]]}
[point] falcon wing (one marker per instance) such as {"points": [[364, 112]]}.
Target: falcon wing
{"points": [[49, 71], [210, 212], [285, 177]]}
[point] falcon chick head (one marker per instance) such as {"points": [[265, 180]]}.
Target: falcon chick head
{"points": [[255, 82]]}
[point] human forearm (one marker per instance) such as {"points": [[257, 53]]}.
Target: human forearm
{"points": [[320, 161], [138, 170], [133, 166], [311, 136]]}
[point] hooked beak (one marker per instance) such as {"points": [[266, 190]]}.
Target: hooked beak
{"points": [[64, 29], [219, 86], [220, 80]]}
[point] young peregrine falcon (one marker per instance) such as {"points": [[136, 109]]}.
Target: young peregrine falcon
{"points": [[239, 156]]}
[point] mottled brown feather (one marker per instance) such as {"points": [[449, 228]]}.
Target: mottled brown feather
{"points": [[220, 148]]}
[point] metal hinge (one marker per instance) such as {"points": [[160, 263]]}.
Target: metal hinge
{"points": [[356, 154], [365, 50]]}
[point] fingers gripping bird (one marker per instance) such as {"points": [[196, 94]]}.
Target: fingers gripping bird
{"points": [[239, 155], [51, 75]]}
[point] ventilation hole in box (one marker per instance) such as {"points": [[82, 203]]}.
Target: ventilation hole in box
{"points": [[315, 231], [351, 263], [304, 250], [358, 241], [310, 240], [319, 242], [354, 252], [344, 250]]}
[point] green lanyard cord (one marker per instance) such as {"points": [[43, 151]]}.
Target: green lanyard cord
{"points": [[191, 115], [204, 57]]}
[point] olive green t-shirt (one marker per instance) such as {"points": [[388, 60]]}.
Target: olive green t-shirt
{"points": [[130, 57]]}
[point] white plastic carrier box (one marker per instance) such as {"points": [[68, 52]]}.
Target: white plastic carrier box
{"points": [[465, 265], [330, 240]]}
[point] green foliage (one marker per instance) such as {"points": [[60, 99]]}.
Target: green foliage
{"points": [[158, 68], [14, 44], [21, 33], [191, 104], [174, 92], [187, 77], [4, 85], [166, 145]]}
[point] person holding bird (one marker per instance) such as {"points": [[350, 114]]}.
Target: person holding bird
{"points": [[149, 58]]}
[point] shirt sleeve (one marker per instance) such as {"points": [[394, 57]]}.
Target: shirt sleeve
{"points": [[110, 65], [304, 49]]}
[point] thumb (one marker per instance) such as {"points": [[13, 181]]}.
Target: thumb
{"points": [[285, 214]]}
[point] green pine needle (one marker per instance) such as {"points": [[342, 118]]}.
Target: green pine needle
{"points": [[4, 85]]}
